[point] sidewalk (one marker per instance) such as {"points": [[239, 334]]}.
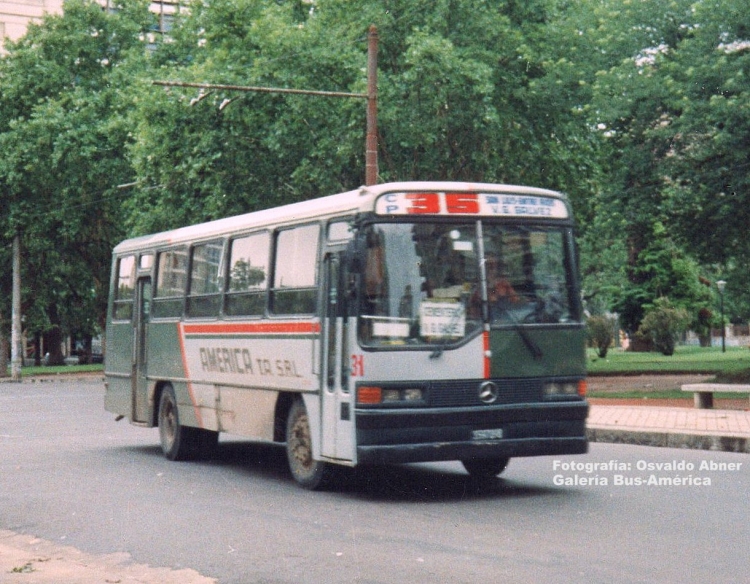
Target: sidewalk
{"points": [[26, 559], [722, 430]]}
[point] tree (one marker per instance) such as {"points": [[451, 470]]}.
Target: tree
{"points": [[62, 137], [464, 93], [710, 131], [672, 110], [662, 325], [663, 270]]}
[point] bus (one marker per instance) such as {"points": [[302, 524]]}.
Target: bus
{"points": [[396, 323]]}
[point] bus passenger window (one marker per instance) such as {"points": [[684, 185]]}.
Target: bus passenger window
{"points": [[204, 298], [295, 269], [125, 289], [248, 275], [171, 278]]}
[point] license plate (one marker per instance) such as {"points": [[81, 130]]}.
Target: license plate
{"points": [[494, 434]]}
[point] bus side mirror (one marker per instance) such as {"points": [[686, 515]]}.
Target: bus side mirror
{"points": [[354, 255], [351, 293]]}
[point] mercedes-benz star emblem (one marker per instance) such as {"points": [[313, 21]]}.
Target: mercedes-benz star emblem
{"points": [[488, 392]]}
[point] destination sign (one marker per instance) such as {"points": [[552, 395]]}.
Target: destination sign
{"points": [[476, 204]]}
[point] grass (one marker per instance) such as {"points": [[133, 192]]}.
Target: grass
{"points": [[734, 364], [59, 370]]}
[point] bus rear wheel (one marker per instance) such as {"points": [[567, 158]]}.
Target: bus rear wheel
{"points": [[180, 442], [309, 473], [485, 468]]}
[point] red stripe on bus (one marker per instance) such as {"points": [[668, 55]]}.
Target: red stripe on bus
{"points": [[487, 354], [252, 328]]}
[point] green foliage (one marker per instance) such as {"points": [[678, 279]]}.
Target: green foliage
{"points": [[464, 94], [638, 110], [662, 268], [710, 131], [603, 258], [662, 325], [601, 332], [669, 101], [62, 136]]}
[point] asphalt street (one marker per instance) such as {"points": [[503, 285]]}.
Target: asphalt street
{"points": [[76, 484]]}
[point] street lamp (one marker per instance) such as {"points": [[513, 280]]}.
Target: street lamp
{"points": [[720, 285]]}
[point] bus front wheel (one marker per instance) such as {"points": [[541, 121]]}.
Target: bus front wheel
{"points": [[309, 473], [180, 442], [485, 468]]}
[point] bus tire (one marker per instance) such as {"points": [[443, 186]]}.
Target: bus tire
{"points": [[485, 468], [180, 442], [309, 473]]}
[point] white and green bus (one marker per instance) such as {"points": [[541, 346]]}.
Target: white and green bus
{"points": [[402, 322]]}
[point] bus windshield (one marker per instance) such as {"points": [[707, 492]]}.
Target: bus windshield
{"points": [[424, 283]]}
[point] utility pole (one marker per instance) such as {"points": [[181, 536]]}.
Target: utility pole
{"points": [[16, 358], [371, 146]]}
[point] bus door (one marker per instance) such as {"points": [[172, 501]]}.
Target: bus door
{"points": [[336, 408], [140, 353]]}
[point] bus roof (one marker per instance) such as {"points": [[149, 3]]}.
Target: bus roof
{"points": [[351, 202]]}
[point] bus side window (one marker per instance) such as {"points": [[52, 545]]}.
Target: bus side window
{"points": [[204, 297], [247, 280], [125, 289], [340, 231], [171, 280], [295, 267]]}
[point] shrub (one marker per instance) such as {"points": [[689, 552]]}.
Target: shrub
{"points": [[663, 324], [601, 332]]}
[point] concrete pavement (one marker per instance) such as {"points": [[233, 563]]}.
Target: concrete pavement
{"points": [[673, 427]]}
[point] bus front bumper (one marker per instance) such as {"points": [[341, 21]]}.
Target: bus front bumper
{"points": [[429, 435]]}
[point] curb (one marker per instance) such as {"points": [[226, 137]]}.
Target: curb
{"points": [[56, 378], [713, 442]]}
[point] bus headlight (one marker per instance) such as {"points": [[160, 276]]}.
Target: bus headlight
{"points": [[391, 395], [373, 395], [565, 388], [414, 394]]}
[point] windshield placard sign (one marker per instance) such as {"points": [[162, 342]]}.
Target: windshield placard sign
{"points": [[442, 319]]}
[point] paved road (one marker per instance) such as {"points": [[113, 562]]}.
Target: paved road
{"points": [[72, 476]]}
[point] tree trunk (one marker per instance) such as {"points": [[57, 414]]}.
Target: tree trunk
{"points": [[16, 349], [53, 339], [4, 346], [37, 349]]}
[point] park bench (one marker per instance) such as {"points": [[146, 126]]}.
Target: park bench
{"points": [[703, 393]]}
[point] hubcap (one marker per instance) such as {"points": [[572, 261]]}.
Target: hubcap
{"points": [[169, 421], [301, 442]]}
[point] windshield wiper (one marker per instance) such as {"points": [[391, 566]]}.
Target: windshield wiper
{"points": [[533, 348]]}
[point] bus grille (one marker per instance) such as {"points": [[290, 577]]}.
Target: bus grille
{"points": [[443, 394]]}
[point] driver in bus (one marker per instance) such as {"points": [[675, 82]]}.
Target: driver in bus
{"points": [[500, 292], [499, 288]]}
